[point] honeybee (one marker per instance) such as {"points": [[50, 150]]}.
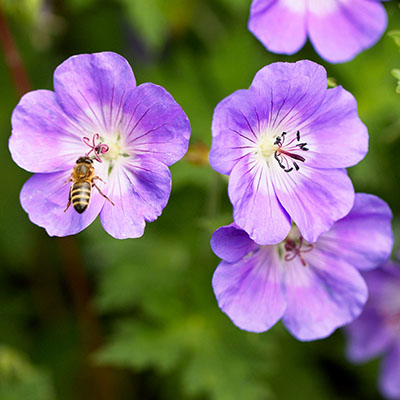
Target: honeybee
{"points": [[83, 177]]}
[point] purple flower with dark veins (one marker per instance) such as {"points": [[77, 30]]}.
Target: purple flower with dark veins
{"points": [[377, 331], [127, 134], [314, 287], [338, 29], [285, 143]]}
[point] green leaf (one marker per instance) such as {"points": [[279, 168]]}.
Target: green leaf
{"points": [[22, 9], [211, 361], [148, 19], [396, 74], [19, 379], [395, 35]]}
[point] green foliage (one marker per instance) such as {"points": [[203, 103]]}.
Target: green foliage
{"points": [[395, 35], [147, 18], [26, 10], [19, 379], [396, 74]]}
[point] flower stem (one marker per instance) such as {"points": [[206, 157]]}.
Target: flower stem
{"points": [[101, 377], [13, 58]]}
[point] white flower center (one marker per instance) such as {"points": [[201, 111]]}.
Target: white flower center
{"points": [[266, 146], [114, 151], [285, 149]]}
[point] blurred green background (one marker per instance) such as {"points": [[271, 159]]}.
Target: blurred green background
{"points": [[91, 317]]}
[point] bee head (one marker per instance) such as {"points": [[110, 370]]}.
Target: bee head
{"points": [[85, 159]]}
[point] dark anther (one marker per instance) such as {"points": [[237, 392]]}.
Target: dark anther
{"points": [[290, 244], [296, 166], [298, 136], [277, 141], [288, 170], [276, 156]]}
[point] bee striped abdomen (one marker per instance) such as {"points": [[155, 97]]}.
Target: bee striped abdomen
{"points": [[80, 195]]}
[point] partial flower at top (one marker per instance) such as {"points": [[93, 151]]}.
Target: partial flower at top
{"points": [[129, 134], [285, 143], [338, 29], [314, 287], [377, 331]]}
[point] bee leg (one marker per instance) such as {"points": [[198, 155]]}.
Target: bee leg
{"points": [[69, 199], [69, 203], [69, 179], [93, 184], [97, 177]]}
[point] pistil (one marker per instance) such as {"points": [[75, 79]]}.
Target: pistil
{"points": [[97, 148]]}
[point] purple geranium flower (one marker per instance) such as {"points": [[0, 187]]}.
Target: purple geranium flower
{"points": [[338, 29], [285, 143], [313, 287], [377, 330], [97, 110]]}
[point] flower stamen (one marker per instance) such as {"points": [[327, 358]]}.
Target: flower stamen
{"points": [[285, 155], [99, 148], [294, 249]]}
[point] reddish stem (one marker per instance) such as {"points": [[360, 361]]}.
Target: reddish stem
{"points": [[13, 58]]}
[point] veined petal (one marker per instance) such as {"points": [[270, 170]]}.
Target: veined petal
{"points": [[348, 29], [45, 196], [292, 92], [364, 238], [43, 138], [92, 88], [140, 189], [237, 122], [250, 291], [256, 208], [389, 381], [155, 125], [325, 294], [314, 198], [281, 29], [336, 137], [231, 243]]}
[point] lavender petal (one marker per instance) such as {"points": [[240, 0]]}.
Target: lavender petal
{"points": [[45, 196], [256, 208], [352, 27], [43, 138], [155, 125], [92, 88], [323, 295], [250, 291], [364, 237], [140, 190]]}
